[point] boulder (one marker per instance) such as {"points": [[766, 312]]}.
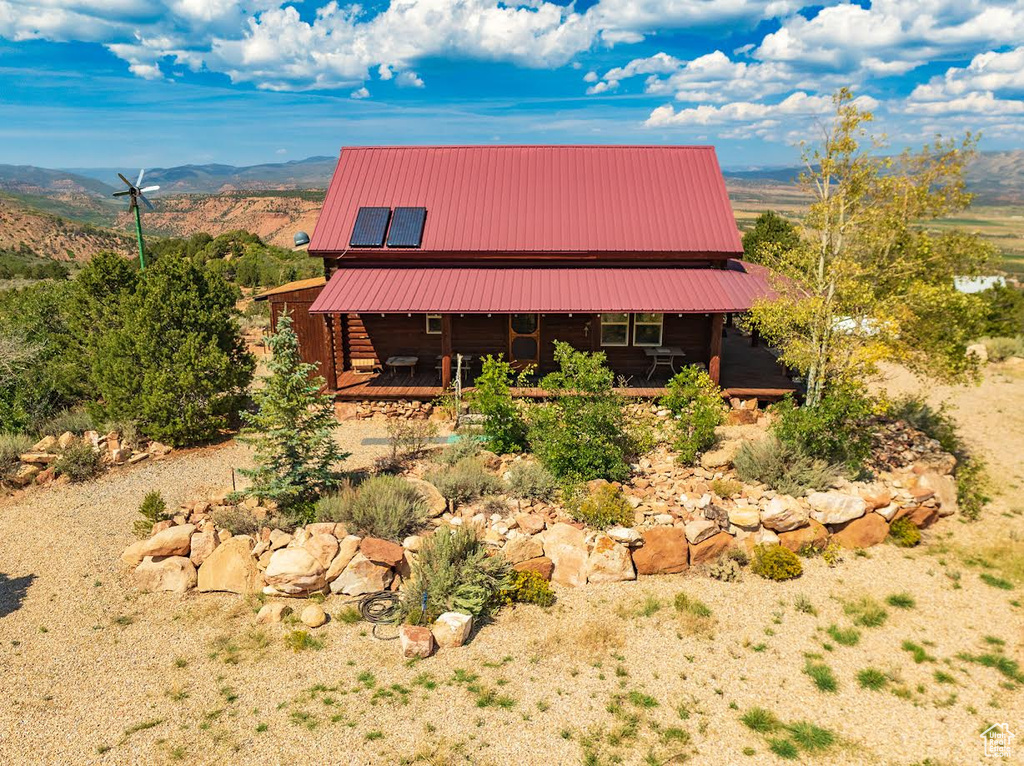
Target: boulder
{"points": [[870, 529], [876, 496], [452, 629], [46, 444], [157, 449], [347, 549], [710, 549], [382, 552], [436, 504], [813, 534], [530, 523], [362, 576], [322, 547], [542, 565], [231, 568], [722, 455], [321, 528], [944, 488], [564, 545], [624, 535], [313, 616], [609, 561], [38, 458], [413, 543], [665, 551], [979, 351], [521, 548], [888, 512], [699, 530], [275, 611], [172, 573], [201, 546], [173, 541], [25, 474], [279, 539], [746, 516], [835, 507], [922, 516], [784, 514], [416, 641], [295, 572]]}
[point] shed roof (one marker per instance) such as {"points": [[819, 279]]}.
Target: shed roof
{"points": [[564, 290], [538, 199], [290, 287]]}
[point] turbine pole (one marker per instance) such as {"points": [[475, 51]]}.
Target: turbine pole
{"points": [[138, 232]]}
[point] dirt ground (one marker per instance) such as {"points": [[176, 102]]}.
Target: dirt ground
{"points": [[95, 672]]}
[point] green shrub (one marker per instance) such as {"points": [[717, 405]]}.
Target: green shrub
{"points": [[723, 568], [292, 430], [456, 451], [528, 588], [529, 480], [839, 429], [12, 446], [866, 612], [684, 604], [581, 432], [454, 572], [760, 720], [388, 507], [971, 492], [844, 637], [77, 421], [237, 520], [783, 467], [409, 438], [464, 481], [152, 510], [604, 507], [301, 640], [79, 462], [833, 554], [822, 676], [696, 404], [869, 678], [726, 487], [1000, 349], [904, 533], [1004, 310], [504, 426], [774, 562]]}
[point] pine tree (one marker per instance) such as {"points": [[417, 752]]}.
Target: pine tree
{"points": [[292, 430]]}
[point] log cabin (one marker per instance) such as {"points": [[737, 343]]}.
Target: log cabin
{"points": [[437, 256]]}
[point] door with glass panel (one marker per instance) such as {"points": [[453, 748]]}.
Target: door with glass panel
{"points": [[523, 340]]}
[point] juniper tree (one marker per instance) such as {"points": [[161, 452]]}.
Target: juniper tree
{"points": [[292, 430]]}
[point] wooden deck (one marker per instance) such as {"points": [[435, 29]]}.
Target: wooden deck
{"points": [[746, 372]]}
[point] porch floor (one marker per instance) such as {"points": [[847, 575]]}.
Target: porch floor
{"points": [[746, 372]]}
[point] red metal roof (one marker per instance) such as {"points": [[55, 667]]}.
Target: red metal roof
{"points": [[563, 290], [538, 199]]}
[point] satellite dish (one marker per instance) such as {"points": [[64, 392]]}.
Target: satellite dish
{"points": [[301, 239], [137, 195]]}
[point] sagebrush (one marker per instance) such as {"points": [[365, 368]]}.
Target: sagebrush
{"points": [[388, 507]]}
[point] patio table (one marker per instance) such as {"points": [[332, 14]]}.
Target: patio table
{"points": [[398, 362], [663, 356]]}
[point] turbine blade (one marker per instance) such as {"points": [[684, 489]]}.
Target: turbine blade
{"points": [[150, 189], [129, 183], [124, 193], [148, 203], [139, 182]]}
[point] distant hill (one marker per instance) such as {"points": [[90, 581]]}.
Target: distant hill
{"points": [[28, 179], [55, 236]]}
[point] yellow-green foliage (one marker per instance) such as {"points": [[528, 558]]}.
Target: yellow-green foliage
{"points": [[604, 507], [775, 562], [528, 588], [904, 533]]}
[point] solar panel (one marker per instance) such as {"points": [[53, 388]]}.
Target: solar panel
{"points": [[371, 224], [407, 227]]}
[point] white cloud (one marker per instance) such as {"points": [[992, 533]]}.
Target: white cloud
{"points": [[359, 93], [796, 104], [409, 80]]}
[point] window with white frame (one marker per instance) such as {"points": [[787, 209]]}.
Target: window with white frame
{"points": [[433, 324], [614, 329], [647, 329]]}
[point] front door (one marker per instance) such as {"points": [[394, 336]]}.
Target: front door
{"points": [[523, 340]]}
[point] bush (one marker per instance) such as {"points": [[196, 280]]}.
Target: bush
{"points": [[152, 511], [528, 588], [833, 554], [464, 481], [409, 438], [774, 562], [528, 480], [504, 426], [837, 430], [454, 573], [1000, 349], [457, 450], [77, 421], [726, 487], [292, 430], [1004, 311], [581, 433], [79, 462], [604, 507], [696, 404], [783, 467], [237, 520], [723, 568], [388, 507], [12, 446], [904, 533]]}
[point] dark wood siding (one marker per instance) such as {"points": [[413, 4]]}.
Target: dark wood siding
{"points": [[690, 332], [372, 336], [314, 343]]}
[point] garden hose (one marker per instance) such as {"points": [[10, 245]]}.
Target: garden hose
{"points": [[382, 607]]}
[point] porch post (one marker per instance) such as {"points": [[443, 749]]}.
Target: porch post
{"points": [[446, 350], [715, 348]]}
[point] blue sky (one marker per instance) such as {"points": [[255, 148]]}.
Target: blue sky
{"points": [[88, 83]]}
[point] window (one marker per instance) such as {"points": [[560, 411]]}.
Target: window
{"points": [[647, 329], [614, 329], [433, 324]]}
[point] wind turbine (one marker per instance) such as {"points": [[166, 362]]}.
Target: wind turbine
{"points": [[137, 193]]}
